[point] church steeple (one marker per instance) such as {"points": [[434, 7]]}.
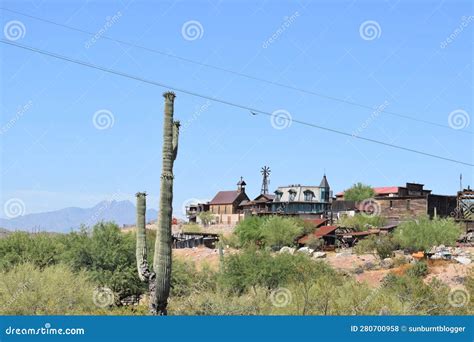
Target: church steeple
{"points": [[241, 185]]}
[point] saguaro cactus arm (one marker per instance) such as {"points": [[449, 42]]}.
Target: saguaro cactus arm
{"points": [[176, 125], [141, 252]]}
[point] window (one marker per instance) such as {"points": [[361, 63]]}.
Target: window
{"points": [[408, 204], [278, 195], [391, 204], [292, 195], [308, 196]]}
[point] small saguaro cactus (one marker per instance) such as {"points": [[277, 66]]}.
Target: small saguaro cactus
{"points": [[160, 278]]}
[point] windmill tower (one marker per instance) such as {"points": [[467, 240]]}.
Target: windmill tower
{"points": [[265, 173]]}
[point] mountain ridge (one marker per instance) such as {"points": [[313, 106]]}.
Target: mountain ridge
{"points": [[70, 218]]}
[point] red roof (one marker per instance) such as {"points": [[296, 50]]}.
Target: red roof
{"points": [[386, 190], [320, 232], [225, 197]]}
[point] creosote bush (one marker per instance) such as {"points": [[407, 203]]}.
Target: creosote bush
{"points": [[53, 290]]}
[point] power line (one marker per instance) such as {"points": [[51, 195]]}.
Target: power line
{"points": [[237, 73], [229, 103]]}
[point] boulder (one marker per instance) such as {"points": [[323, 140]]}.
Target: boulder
{"points": [[287, 249], [318, 255], [306, 250], [386, 263], [463, 260]]}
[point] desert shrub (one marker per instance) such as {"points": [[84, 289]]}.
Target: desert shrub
{"points": [[416, 297], [249, 231], [192, 228], [362, 222], [382, 245], [314, 243], [54, 290], [231, 240], [253, 268], [41, 249], [423, 233], [359, 192], [418, 269], [279, 232], [206, 217], [108, 256], [186, 279]]}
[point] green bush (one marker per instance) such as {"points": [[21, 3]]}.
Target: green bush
{"points": [[422, 234], [359, 192], [382, 245], [54, 290], [419, 269], [192, 228], [314, 243], [363, 222], [279, 232], [42, 249], [108, 255], [249, 231]]}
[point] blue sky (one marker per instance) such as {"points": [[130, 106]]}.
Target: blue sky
{"points": [[53, 156]]}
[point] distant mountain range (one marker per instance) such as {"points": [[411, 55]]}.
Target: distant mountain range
{"points": [[63, 220]]}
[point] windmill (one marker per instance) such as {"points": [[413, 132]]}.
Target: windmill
{"points": [[265, 173]]}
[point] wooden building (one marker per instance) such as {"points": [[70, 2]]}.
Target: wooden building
{"points": [[226, 204]]}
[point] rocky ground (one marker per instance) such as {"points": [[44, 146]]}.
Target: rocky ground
{"points": [[365, 268]]}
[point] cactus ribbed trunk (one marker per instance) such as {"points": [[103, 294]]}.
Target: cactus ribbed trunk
{"points": [[159, 280], [162, 257], [141, 251]]}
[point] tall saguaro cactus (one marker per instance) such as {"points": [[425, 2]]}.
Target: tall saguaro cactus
{"points": [[159, 280]]}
